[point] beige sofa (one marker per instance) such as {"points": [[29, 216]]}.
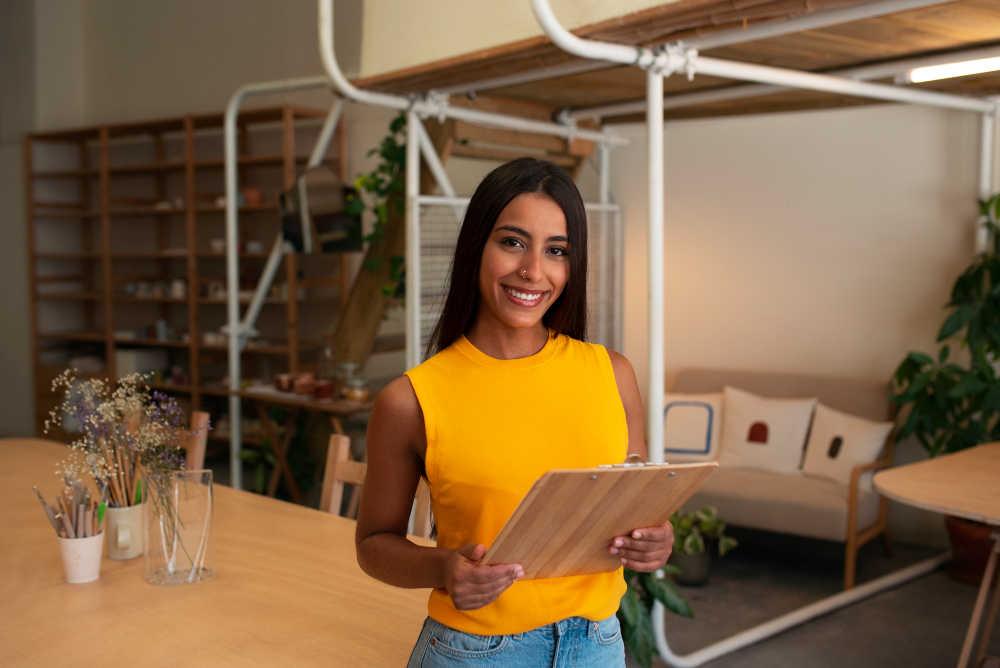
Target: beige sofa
{"points": [[797, 504]]}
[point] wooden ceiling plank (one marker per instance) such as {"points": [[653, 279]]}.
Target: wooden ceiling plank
{"points": [[475, 133]]}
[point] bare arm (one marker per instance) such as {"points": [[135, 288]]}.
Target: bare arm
{"points": [[397, 445], [628, 390], [647, 548], [396, 442]]}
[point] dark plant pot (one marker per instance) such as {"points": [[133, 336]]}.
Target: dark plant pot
{"points": [[970, 547], [694, 568]]}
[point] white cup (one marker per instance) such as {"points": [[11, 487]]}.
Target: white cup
{"points": [[82, 558], [126, 534]]}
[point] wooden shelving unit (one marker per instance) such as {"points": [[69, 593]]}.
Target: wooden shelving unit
{"points": [[115, 206]]}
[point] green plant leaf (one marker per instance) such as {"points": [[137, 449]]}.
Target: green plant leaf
{"points": [[726, 544], [970, 384], [666, 593], [670, 569], [630, 606], [693, 543], [640, 640], [943, 354], [957, 320]]}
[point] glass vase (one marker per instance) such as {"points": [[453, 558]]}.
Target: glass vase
{"points": [[179, 544]]}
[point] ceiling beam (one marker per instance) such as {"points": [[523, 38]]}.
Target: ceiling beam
{"points": [[807, 22], [715, 40], [863, 73]]}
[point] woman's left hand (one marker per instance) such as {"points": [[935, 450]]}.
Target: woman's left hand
{"points": [[646, 550]]}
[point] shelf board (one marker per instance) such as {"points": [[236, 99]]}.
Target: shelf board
{"points": [[148, 167], [152, 255], [67, 256], [154, 300], [65, 174], [222, 256], [152, 343], [48, 211], [277, 349], [72, 336], [242, 209], [172, 166], [70, 296]]}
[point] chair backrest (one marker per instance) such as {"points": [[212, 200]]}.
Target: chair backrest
{"points": [[195, 442], [341, 469]]}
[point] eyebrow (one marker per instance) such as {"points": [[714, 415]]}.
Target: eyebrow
{"points": [[518, 230]]}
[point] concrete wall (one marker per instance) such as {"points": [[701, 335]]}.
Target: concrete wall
{"points": [[820, 242]]}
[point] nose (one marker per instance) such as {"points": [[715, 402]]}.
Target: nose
{"points": [[531, 268]]}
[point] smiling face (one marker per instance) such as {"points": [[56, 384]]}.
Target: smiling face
{"points": [[525, 264]]}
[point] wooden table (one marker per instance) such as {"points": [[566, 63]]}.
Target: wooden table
{"points": [[287, 591], [964, 484], [335, 409]]}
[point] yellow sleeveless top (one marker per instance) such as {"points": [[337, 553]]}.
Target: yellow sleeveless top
{"points": [[494, 427]]}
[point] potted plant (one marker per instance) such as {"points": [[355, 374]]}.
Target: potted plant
{"points": [[635, 611], [644, 589], [951, 404], [691, 555]]}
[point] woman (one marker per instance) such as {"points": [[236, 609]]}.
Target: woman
{"points": [[512, 392]]}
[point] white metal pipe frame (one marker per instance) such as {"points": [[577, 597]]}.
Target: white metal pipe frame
{"points": [[677, 58]]}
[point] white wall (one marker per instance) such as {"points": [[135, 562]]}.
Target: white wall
{"points": [[145, 60], [60, 64], [400, 35], [17, 112], [817, 242]]}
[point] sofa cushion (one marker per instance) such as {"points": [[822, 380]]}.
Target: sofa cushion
{"points": [[838, 442], [783, 503], [691, 425], [764, 434]]}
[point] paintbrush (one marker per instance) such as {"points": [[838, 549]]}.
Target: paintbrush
{"points": [[64, 516], [48, 511]]}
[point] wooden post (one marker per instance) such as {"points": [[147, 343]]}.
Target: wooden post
{"points": [[29, 202], [191, 237], [291, 260], [109, 321]]}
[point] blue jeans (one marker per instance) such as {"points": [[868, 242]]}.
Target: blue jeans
{"points": [[575, 642]]}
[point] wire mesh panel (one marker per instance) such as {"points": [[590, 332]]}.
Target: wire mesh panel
{"points": [[439, 220]]}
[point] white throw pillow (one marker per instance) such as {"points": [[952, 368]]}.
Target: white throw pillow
{"points": [[839, 442], [764, 434], [691, 426]]}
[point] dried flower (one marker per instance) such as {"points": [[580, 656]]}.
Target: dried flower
{"points": [[128, 436]]}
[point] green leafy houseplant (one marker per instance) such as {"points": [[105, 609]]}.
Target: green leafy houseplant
{"points": [[955, 406], [691, 530], [635, 611]]}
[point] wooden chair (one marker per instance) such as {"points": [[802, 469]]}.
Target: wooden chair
{"points": [[340, 469], [194, 444]]}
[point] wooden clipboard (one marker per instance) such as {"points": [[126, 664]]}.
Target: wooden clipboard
{"points": [[565, 523]]}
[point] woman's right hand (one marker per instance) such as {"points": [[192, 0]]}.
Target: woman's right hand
{"points": [[472, 586]]}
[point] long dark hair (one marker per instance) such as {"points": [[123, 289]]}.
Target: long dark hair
{"points": [[568, 314]]}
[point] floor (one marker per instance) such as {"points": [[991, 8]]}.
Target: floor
{"points": [[921, 623]]}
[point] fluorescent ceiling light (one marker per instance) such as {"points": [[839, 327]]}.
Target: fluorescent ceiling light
{"points": [[935, 72]]}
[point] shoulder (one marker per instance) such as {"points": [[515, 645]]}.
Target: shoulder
{"points": [[399, 400], [621, 365]]}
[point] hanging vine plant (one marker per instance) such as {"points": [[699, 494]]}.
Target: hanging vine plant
{"points": [[378, 190]]}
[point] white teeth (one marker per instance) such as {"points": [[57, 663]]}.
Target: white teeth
{"points": [[524, 295]]}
